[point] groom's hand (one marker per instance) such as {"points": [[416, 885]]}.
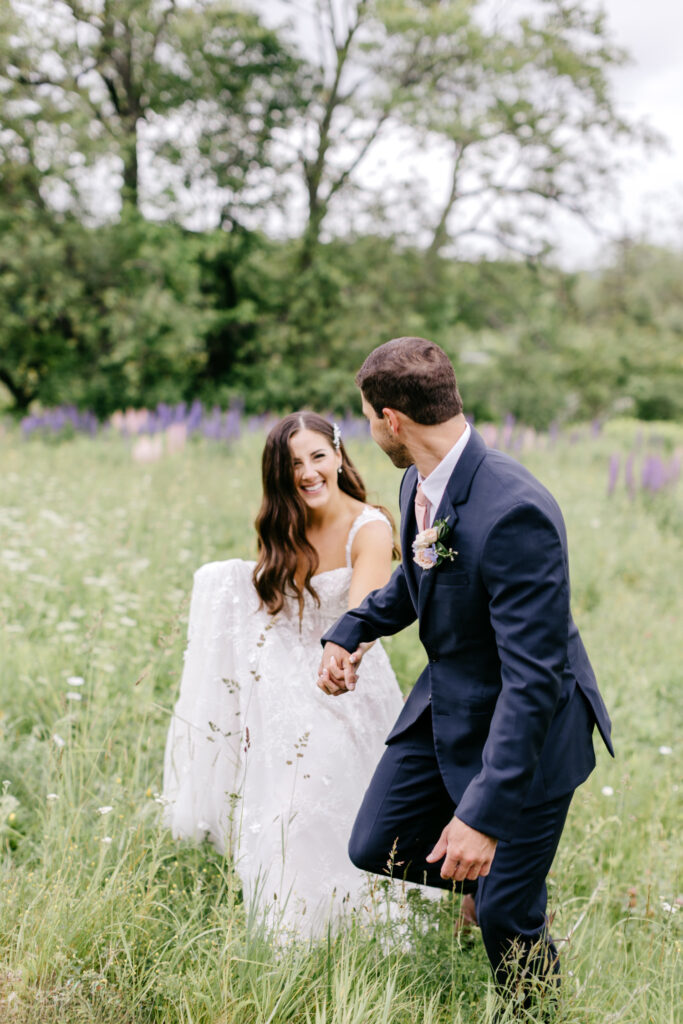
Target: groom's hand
{"points": [[468, 853], [337, 672]]}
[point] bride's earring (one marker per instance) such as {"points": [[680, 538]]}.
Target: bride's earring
{"points": [[339, 469]]}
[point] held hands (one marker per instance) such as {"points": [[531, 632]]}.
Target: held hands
{"points": [[468, 853], [338, 669]]}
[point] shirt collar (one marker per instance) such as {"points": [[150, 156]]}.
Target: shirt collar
{"points": [[434, 485]]}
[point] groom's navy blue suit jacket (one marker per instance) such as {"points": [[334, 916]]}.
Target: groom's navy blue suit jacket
{"points": [[513, 695]]}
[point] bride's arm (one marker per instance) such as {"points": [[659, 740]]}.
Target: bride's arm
{"points": [[371, 560]]}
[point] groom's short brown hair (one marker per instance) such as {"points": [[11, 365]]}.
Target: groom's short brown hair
{"points": [[414, 376]]}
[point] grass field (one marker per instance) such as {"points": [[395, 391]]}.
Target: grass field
{"points": [[103, 918]]}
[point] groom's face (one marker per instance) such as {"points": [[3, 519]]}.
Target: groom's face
{"points": [[385, 438]]}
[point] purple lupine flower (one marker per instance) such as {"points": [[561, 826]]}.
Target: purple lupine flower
{"points": [[215, 423], [629, 476], [653, 476], [195, 416], [28, 425], [614, 464], [233, 422], [256, 423]]}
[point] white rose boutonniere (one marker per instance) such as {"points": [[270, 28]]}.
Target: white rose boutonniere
{"points": [[429, 549]]}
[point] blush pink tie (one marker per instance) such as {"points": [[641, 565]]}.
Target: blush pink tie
{"points": [[421, 509]]}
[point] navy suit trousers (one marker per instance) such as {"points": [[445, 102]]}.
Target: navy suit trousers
{"points": [[400, 820]]}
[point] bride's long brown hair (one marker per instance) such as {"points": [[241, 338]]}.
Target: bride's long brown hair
{"points": [[281, 521]]}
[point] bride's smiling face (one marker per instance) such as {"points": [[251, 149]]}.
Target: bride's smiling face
{"points": [[315, 464]]}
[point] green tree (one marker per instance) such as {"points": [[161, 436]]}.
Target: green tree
{"points": [[522, 113], [183, 99], [519, 112], [101, 318]]}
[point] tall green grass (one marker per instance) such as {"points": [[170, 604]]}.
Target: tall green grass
{"points": [[104, 918]]}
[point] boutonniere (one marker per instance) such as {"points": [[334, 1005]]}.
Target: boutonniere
{"points": [[429, 549]]}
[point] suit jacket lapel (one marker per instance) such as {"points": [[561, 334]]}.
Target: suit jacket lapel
{"points": [[457, 491], [408, 530]]}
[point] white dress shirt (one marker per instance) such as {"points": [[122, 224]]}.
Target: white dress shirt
{"points": [[434, 485]]}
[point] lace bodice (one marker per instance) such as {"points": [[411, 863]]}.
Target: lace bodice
{"points": [[332, 588]]}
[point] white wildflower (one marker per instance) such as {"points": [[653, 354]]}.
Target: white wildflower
{"points": [[666, 751], [75, 681], [106, 840], [52, 797], [73, 696], [105, 809], [607, 791], [58, 741]]}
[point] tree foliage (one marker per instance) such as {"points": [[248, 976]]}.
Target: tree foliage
{"points": [[208, 123], [182, 100], [519, 113]]}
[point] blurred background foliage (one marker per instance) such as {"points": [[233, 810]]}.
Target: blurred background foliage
{"points": [[184, 212]]}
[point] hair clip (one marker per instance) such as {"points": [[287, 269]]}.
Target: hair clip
{"points": [[336, 436]]}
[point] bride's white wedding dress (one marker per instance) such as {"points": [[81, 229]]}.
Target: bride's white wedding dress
{"points": [[259, 759]]}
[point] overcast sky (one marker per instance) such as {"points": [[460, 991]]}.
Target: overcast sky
{"points": [[651, 88], [649, 197]]}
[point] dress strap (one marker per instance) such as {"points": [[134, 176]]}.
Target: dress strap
{"points": [[370, 514]]}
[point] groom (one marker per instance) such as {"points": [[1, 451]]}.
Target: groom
{"points": [[479, 770]]}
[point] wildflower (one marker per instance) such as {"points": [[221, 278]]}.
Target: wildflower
{"points": [[52, 797], [607, 791], [666, 751], [126, 621], [148, 449], [106, 840], [74, 696], [58, 741], [75, 681], [104, 810]]}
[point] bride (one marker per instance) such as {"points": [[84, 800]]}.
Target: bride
{"points": [[258, 759]]}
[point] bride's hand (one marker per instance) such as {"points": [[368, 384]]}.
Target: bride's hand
{"points": [[337, 673]]}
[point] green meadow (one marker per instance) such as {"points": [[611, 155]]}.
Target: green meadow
{"points": [[104, 918]]}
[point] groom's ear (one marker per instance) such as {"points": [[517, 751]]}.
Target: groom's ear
{"points": [[392, 419]]}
